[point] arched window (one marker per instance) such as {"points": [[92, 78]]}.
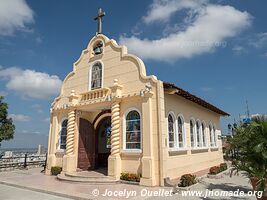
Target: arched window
{"points": [[198, 136], [96, 76], [63, 134], [211, 136], [171, 131], [133, 130], [204, 134], [192, 133], [181, 134]]}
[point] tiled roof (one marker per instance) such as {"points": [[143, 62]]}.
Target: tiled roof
{"points": [[194, 98]]}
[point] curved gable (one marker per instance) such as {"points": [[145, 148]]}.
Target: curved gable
{"points": [[117, 64]]}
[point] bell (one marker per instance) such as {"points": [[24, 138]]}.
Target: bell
{"points": [[98, 50]]}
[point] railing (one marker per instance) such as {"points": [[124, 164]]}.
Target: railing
{"points": [[95, 94], [25, 161]]}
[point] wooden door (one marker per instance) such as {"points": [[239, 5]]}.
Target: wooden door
{"points": [[86, 149]]}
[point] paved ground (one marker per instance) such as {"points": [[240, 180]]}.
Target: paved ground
{"points": [[14, 193], [37, 182]]}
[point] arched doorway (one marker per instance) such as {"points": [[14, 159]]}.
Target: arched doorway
{"points": [[103, 143]]}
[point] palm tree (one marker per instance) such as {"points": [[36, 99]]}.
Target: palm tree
{"points": [[251, 142]]}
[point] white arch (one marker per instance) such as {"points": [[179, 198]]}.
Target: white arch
{"points": [[100, 118]]}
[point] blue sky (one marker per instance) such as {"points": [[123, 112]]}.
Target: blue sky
{"points": [[214, 49]]}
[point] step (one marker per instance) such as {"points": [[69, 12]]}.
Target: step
{"points": [[86, 175], [93, 180]]}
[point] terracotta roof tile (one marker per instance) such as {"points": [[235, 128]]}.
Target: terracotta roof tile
{"points": [[194, 98]]}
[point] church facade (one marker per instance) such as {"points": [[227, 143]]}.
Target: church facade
{"points": [[110, 114]]}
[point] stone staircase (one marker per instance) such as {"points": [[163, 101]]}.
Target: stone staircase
{"points": [[93, 177]]}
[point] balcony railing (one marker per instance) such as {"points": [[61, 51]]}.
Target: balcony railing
{"points": [[95, 94]]}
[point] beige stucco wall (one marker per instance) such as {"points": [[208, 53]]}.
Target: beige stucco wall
{"points": [[131, 74], [153, 161], [190, 160]]}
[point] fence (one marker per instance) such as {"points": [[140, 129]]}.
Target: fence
{"points": [[24, 161]]}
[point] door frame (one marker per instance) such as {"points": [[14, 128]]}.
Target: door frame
{"points": [[96, 132]]}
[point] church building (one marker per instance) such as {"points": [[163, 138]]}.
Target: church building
{"points": [[111, 115]]}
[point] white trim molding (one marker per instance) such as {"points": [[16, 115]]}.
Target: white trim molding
{"points": [[124, 131]]}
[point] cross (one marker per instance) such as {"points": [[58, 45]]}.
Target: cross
{"points": [[99, 16]]}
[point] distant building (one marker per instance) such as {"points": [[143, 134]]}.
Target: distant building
{"points": [[41, 150], [8, 154]]}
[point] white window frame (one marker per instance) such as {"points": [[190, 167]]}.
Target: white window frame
{"points": [[211, 135], [59, 138], [90, 74], [124, 131], [204, 134], [198, 122], [194, 132], [174, 129], [183, 132]]}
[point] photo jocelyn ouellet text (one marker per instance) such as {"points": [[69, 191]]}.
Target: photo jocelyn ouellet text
{"points": [[168, 192]]}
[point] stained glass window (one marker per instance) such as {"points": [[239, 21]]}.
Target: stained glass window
{"points": [[133, 130], [192, 132], [108, 136], [204, 135], [63, 134], [198, 134], [96, 76], [180, 132], [171, 131], [211, 136]]}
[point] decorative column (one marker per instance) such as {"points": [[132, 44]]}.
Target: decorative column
{"points": [[115, 128], [114, 160], [69, 159], [70, 133]]}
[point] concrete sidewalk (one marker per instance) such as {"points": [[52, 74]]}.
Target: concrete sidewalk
{"points": [[14, 193], [33, 180]]}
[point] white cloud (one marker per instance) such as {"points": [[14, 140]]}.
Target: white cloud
{"points": [[206, 31], [30, 83], [14, 15], [238, 48], [20, 117], [161, 10], [260, 40], [38, 108]]}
